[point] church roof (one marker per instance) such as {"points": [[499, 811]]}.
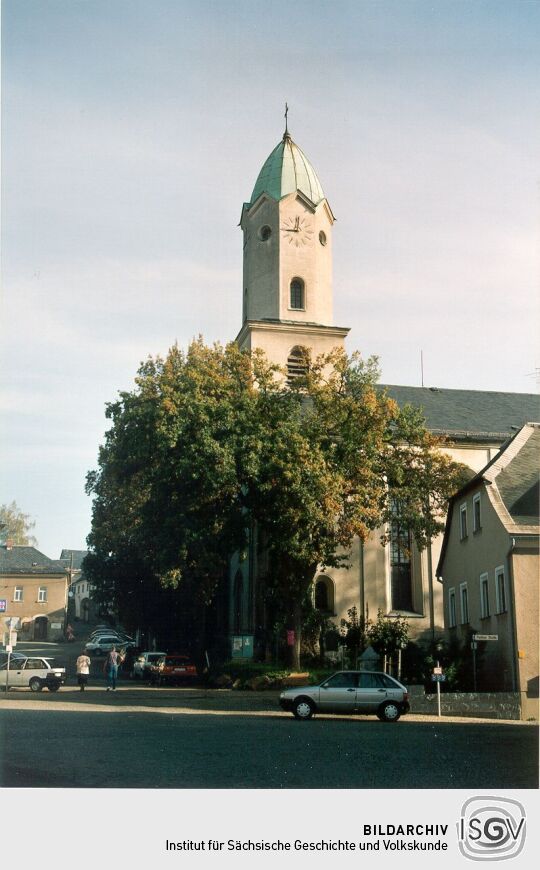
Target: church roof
{"points": [[469, 414], [287, 169]]}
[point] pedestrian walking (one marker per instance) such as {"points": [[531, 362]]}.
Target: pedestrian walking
{"points": [[112, 663], [83, 671]]}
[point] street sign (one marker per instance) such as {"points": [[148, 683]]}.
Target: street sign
{"points": [[438, 678], [474, 645], [437, 670], [485, 637]]}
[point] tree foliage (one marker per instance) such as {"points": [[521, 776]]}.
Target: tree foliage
{"points": [[16, 525], [212, 441]]}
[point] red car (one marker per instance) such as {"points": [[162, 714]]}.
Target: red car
{"points": [[173, 668]]}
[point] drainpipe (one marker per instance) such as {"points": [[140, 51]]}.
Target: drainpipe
{"points": [[362, 582], [511, 600], [430, 591]]}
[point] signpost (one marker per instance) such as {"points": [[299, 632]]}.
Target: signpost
{"points": [[12, 641], [438, 677]]}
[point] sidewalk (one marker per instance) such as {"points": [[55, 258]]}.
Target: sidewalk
{"points": [[132, 699]]}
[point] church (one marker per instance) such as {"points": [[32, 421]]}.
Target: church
{"points": [[287, 230]]}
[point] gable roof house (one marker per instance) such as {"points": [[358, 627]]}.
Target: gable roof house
{"points": [[489, 567], [33, 592], [80, 602]]}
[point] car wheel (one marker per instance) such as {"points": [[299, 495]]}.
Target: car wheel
{"points": [[35, 684], [53, 687], [303, 708], [389, 712]]}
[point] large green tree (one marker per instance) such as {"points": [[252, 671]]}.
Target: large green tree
{"points": [[214, 441]]}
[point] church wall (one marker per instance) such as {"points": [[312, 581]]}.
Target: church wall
{"points": [[277, 344], [308, 260], [261, 262]]}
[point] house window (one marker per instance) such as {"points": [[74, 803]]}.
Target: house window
{"points": [[297, 294], [500, 590], [42, 594], [484, 596], [463, 522], [451, 608], [464, 601], [18, 594], [296, 364], [477, 517], [400, 562]]}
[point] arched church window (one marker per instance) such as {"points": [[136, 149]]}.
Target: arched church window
{"points": [[400, 561], [264, 233], [296, 364], [324, 594], [297, 294]]}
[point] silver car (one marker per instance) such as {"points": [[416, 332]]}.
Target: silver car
{"points": [[349, 692]]}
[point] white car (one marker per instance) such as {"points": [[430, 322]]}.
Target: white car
{"points": [[105, 643], [32, 671], [142, 663]]}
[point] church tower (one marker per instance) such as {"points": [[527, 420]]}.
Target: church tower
{"points": [[287, 277]]}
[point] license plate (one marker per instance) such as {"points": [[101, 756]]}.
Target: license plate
{"points": [[179, 669]]}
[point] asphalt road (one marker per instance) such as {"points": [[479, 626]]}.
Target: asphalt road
{"points": [[182, 738]]}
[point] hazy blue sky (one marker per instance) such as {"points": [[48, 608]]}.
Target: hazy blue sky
{"points": [[133, 130]]}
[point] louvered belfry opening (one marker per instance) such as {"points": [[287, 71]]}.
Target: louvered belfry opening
{"points": [[296, 364]]}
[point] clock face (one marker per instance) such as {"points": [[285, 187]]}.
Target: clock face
{"points": [[297, 230]]}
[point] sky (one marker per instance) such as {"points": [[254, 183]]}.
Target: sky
{"points": [[133, 131]]}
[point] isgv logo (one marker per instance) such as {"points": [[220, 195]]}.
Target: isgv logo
{"points": [[491, 828]]}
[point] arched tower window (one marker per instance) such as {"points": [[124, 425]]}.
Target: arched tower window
{"points": [[296, 364], [297, 294], [324, 594]]}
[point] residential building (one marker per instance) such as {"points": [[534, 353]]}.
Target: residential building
{"points": [[81, 606], [33, 592], [489, 568]]}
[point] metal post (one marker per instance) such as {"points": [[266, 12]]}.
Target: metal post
{"points": [[8, 660], [473, 646], [438, 693]]}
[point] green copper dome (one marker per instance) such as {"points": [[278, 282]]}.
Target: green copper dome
{"points": [[287, 169]]}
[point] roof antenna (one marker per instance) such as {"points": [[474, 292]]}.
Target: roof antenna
{"points": [[286, 133], [422, 366]]}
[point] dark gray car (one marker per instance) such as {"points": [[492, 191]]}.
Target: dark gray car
{"points": [[349, 692]]}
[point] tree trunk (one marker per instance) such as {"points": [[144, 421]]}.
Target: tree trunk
{"points": [[295, 624]]}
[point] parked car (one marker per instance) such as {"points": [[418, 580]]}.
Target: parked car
{"points": [[105, 643], [142, 663], [172, 669], [349, 692], [120, 636], [35, 672]]}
